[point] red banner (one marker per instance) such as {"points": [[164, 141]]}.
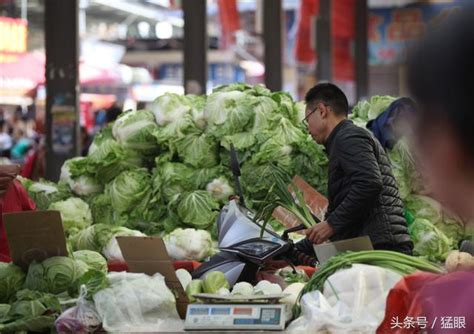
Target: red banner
{"points": [[343, 31], [13, 38], [230, 21], [304, 38]]}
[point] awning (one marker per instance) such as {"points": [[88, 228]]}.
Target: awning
{"points": [[20, 78]]}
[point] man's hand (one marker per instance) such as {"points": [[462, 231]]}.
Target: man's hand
{"points": [[320, 233]]}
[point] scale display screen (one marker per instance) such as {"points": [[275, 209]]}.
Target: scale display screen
{"points": [[253, 316]]}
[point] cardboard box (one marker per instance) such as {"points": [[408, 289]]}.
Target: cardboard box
{"points": [[148, 255], [34, 236]]}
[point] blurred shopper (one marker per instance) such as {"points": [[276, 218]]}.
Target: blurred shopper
{"points": [[6, 141], [112, 113], [85, 141], [13, 198], [35, 161], [387, 127], [363, 194], [100, 120], [440, 78], [21, 147]]}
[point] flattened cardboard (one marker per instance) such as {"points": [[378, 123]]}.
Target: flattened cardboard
{"points": [[148, 255], [312, 197], [34, 236], [327, 250]]}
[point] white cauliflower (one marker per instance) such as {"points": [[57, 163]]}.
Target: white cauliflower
{"points": [[188, 244]]}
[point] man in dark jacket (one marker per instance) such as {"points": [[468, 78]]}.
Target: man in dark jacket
{"points": [[362, 191]]}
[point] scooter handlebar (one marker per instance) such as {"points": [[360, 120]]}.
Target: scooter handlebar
{"points": [[291, 230]]}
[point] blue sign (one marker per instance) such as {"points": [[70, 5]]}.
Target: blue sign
{"points": [[219, 73], [391, 30]]}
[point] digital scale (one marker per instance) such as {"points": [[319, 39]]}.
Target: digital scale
{"points": [[234, 313]]}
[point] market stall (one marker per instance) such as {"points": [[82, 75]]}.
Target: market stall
{"points": [[165, 172]]}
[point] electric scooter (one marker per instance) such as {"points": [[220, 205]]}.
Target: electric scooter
{"points": [[244, 249]]}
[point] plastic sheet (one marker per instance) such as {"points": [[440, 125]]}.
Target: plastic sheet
{"points": [[353, 301], [137, 303]]}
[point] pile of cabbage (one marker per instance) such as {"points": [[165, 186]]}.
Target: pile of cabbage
{"points": [[434, 231], [159, 170], [166, 169], [31, 300]]}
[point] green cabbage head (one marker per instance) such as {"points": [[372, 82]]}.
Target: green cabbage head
{"points": [[11, 281]]}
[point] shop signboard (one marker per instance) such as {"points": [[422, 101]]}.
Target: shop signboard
{"points": [[218, 73], [392, 30], [13, 38]]}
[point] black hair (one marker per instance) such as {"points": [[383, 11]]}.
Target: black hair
{"points": [[329, 94], [112, 113], [441, 75]]}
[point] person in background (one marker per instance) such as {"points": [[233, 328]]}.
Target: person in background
{"points": [[362, 191], [13, 198], [112, 113], [100, 120], [388, 126], [440, 78], [6, 141], [21, 147], [85, 141]]}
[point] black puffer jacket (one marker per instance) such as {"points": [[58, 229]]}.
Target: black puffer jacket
{"points": [[362, 191]]}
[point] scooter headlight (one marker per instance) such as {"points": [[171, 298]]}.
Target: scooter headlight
{"points": [[257, 248]]}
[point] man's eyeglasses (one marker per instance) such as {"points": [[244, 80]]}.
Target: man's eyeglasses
{"points": [[305, 120]]}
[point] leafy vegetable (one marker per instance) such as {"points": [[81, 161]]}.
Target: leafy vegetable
{"points": [[214, 281], [427, 208], [198, 209], [93, 259], [11, 281], [228, 112], [291, 275], [199, 151], [43, 193], [220, 189], [267, 288], [171, 179], [85, 185], [101, 238], [194, 287], [188, 244], [429, 241], [129, 190], [134, 130], [170, 108], [75, 213], [32, 311], [54, 275], [242, 289], [184, 277], [93, 280]]}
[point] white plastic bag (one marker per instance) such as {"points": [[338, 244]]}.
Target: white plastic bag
{"points": [[353, 301], [137, 303]]}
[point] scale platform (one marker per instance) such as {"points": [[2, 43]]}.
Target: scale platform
{"points": [[235, 313]]}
